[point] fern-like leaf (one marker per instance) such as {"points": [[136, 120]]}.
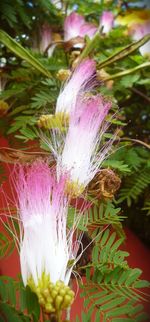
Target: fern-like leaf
{"points": [[114, 295], [135, 186], [106, 254], [103, 214], [17, 303]]}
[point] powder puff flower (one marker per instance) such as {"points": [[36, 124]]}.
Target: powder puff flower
{"points": [[80, 156], [138, 23], [46, 40], [47, 251], [106, 21], [137, 32], [79, 81], [76, 26]]}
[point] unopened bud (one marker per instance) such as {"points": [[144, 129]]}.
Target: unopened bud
{"points": [[58, 301], [63, 74], [45, 293], [3, 107]]}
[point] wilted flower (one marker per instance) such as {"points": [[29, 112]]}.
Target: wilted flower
{"points": [[76, 26], [106, 21], [80, 157], [80, 80], [47, 251]]}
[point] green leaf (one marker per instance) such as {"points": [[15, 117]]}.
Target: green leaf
{"points": [[12, 315], [135, 185], [23, 53], [32, 304], [7, 244], [135, 274], [91, 44]]}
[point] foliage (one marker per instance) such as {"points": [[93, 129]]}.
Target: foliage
{"points": [[113, 296], [15, 299], [29, 85], [114, 289]]}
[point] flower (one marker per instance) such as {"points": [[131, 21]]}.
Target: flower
{"points": [[46, 247], [76, 26], [138, 23], [133, 17], [57, 4], [80, 157], [46, 40], [137, 32], [106, 21], [80, 80]]}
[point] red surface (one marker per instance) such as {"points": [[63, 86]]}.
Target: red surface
{"points": [[139, 257]]}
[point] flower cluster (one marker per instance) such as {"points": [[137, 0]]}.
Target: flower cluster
{"points": [[80, 152], [49, 249], [75, 26]]}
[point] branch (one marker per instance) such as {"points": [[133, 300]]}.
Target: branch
{"points": [[127, 72], [135, 90]]}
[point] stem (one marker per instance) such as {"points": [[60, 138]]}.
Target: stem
{"points": [[135, 90], [117, 56], [127, 72], [136, 141], [59, 316], [43, 315], [89, 47]]}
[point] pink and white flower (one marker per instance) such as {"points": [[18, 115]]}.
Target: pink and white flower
{"points": [[106, 21], [76, 26], [45, 244], [80, 81], [80, 157], [46, 40], [137, 32]]}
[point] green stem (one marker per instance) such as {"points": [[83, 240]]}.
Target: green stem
{"points": [[124, 52], [59, 316], [127, 72], [89, 47], [91, 44]]}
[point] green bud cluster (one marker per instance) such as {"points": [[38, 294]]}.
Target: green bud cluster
{"points": [[50, 121], [52, 297]]}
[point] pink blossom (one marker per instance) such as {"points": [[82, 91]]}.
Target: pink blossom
{"points": [[76, 26], [80, 157], [80, 81], [106, 21], [46, 39], [137, 32], [45, 244]]}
